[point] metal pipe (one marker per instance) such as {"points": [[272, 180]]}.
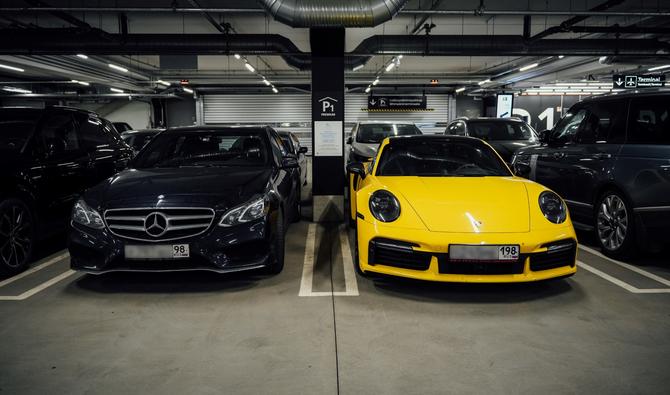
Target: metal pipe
{"points": [[346, 13], [474, 12]]}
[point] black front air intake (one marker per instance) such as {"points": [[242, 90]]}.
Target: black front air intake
{"points": [[397, 254]]}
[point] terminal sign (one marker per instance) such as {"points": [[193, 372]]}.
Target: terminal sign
{"points": [[621, 81]]}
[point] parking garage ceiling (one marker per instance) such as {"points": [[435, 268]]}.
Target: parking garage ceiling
{"points": [[213, 44]]}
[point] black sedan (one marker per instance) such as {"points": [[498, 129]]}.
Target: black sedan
{"points": [[505, 135], [137, 139], [198, 198]]}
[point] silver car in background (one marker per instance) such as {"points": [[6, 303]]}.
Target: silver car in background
{"points": [[366, 136]]}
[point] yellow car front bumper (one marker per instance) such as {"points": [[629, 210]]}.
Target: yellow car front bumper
{"points": [[423, 255]]}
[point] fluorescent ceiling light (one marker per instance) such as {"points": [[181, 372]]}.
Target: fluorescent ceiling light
{"points": [[376, 81], [81, 55], [116, 90], [4, 66], [187, 90], [659, 67], [360, 66], [80, 82], [390, 66], [163, 83], [561, 56], [486, 81], [367, 90], [119, 68], [530, 66], [275, 90], [461, 89], [266, 82], [15, 90], [237, 56], [250, 67]]}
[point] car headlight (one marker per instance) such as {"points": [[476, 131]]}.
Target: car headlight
{"points": [[553, 207], [384, 206], [84, 215], [252, 210]]}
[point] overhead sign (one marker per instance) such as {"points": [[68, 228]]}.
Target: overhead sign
{"points": [[396, 102], [504, 106], [620, 81]]}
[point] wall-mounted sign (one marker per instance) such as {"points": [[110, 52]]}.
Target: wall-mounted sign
{"points": [[620, 81], [328, 106], [504, 105], [400, 103], [328, 138]]}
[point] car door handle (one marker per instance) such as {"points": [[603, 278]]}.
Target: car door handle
{"points": [[559, 155], [602, 156]]}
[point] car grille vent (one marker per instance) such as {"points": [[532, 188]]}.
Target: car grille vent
{"points": [[558, 254], [397, 254], [158, 224]]}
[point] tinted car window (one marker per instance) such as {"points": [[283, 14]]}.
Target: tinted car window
{"points": [[206, 148], [288, 144], [567, 127], [375, 133], [604, 123], [15, 128], [649, 120], [93, 134], [59, 134], [428, 158], [496, 130]]}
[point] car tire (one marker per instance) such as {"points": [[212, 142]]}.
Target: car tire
{"points": [[17, 236], [356, 259], [614, 224], [276, 258]]}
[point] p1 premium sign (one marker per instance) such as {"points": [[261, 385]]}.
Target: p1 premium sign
{"points": [[621, 81]]}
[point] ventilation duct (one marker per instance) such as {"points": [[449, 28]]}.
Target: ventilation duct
{"points": [[345, 13]]}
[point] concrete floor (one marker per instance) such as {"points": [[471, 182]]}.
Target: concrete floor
{"points": [[241, 334]]}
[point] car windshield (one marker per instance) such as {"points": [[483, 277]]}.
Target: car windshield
{"points": [[499, 130], [15, 128], [440, 158], [376, 132], [205, 149]]}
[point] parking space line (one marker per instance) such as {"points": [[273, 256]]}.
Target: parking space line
{"points": [[35, 269], [351, 286], [630, 267], [349, 273], [40, 287], [621, 283]]}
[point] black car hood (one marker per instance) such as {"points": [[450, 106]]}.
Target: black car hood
{"points": [[215, 187], [506, 148]]}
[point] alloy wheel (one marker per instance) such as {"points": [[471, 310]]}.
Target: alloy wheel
{"points": [[15, 235], [612, 222]]}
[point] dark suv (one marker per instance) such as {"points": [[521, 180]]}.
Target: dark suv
{"points": [[609, 157], [47, 157]]}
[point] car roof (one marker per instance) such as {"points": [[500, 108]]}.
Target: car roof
{"points": [[48, 108], [141, 131], [488, 119], [220, 128], [385, 123], [433, 137], [626, 95]]}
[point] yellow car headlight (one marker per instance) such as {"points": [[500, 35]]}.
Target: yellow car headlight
{"points": [[384, 206]]}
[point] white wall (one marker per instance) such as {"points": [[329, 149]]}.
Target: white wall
{"points": [[135, 113]]}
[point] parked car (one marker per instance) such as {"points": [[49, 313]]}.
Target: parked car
{"points": [[196, 198], [609, 157], [293, 146], [366, 137], [122, 126], [48, 156], [137, 139], [505, 135], [447, 208]]}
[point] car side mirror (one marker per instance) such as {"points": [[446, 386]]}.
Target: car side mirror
{"points": [[289, 162], [522, 169], [302, 150], [356, 168], [545, 136], [349, 140]]}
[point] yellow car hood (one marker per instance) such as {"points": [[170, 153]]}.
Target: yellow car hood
{"points": [[465, 204]]}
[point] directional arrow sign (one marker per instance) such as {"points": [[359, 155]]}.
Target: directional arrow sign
{"points": [[618, 81]]}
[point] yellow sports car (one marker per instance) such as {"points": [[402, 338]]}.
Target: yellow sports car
{"points": [[447, 208]]}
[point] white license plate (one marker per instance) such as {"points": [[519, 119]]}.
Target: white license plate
{"points": [[458, 252], [163, 251]]}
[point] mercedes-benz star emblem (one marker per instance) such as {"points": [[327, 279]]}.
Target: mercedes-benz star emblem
{"points": [[155, 224]]}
